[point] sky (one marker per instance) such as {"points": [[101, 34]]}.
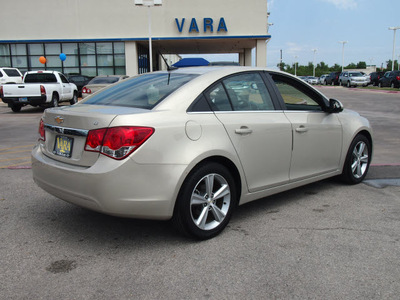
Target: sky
{"points": [[299, 26]]}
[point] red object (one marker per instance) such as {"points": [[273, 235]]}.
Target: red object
{"points": [[42, 132], [117, 142], [85, 90], [42, 90]]}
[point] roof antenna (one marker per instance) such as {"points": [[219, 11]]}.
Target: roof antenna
{"points": [[169, 68]]}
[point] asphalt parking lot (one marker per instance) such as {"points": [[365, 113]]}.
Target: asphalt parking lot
{"points": [[321, 241]]}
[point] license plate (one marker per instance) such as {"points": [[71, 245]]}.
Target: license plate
{"points": [[63, 146], [23, 99]]}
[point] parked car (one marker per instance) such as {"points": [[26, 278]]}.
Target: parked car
{"points": [[375, 76], [332, 78], [352, 78], [189, 145], [80, 81], [312, 80], [39, 88], [10, 75], [390, 79], [321, 79], [99, 82]]}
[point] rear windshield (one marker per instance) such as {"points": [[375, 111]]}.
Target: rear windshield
{"points": [[108, 80], [144, 91], [12, 72], [355, 74], [40, 78]]}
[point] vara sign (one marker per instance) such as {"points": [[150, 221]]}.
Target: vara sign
{"points": [[208, 25]]}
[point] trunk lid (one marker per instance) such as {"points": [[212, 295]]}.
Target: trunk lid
{"points": [[66, 129]]}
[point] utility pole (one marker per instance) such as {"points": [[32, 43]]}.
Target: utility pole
{"points": [[343, 43], [394, 43]]}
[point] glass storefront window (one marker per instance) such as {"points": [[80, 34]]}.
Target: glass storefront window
{"points": [[87, 48], [4, 49], [36, 49], [71, 61], [18, 49], [54, 48], [91, 72], [90, 59], [5, 61], [20, 62], [35, 63], [120, 71], [104, 48], [71, 71], [53, 61], [119, 48], [106, 71], [70, 48], [119, 60], [105, 60]]}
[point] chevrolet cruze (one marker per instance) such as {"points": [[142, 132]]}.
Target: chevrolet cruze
{"points": [[193, 143]]}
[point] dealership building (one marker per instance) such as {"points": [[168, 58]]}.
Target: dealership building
{"points": [[98, 37]]}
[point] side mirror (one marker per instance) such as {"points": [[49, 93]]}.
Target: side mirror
{"points": [[335, 106]]}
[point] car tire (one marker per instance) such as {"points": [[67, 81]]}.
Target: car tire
{"points": [[348, 84], [74, 99], [332, 83], [392, 85], [379, 85], [54, 101], [196, 214], [16, 107], [358, 159]]}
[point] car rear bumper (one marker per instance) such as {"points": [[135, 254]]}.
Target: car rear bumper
{"points": [[34, 101], [121, 188]]}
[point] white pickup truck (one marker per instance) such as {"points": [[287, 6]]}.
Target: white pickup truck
{"points": [[39, 88]]}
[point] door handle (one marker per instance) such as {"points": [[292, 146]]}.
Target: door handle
{"points": [[301, 129], [243, 130]]}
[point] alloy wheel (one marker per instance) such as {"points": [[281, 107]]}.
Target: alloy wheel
{"points": [[210, 201], [360, 159]]}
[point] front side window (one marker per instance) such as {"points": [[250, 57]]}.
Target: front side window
{"points": [[296, 95]]}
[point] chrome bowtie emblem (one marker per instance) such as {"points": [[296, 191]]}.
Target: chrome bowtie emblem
{"points": [[59, 120]]}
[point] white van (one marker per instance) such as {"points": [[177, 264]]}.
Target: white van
{"points": [[10, 75]]}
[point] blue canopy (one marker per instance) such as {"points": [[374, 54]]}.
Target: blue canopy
{"points": [[191, 62]]}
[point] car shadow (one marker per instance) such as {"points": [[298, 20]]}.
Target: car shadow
{"points": [[82, 226]]}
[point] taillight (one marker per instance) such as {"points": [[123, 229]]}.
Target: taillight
{"points": [[1, 91], [398, 78], [42, 90], [42, 131], [117, 142], [86, 90]]}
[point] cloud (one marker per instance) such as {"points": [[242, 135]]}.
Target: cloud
{"points": [[343, 4]]}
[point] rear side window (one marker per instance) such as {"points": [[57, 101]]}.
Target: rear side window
{"points": [[241, 92], [144, 91], [40, 78], [12, 72]]}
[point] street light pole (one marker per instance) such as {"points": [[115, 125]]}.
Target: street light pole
{"points": [[315, 51], [149, 4], [343, 42], [295, 65], [394, 43]]}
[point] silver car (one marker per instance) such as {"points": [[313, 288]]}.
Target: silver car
{"points": [[193, 143], [350, 79]]}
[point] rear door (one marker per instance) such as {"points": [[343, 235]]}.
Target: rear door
{"points": [[260, 134], [66, 89], [317, 135]]}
